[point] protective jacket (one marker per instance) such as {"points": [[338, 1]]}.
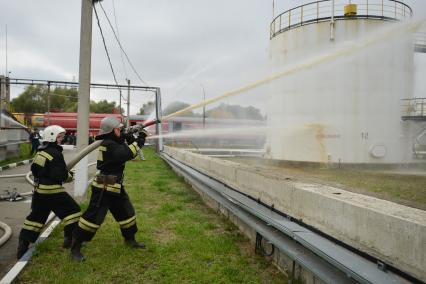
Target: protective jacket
{"points": [[49, 169]]}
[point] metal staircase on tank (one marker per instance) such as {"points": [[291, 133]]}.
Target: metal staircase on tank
{"points": [[414, 109], [420, 42], [419, 146]]}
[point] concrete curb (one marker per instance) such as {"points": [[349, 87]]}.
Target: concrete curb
{"points": [[14, 165]]}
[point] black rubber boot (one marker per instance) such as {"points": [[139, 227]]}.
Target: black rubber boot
{"points": [[22, 248], [67, 242], [75, 251], [131, 242]]}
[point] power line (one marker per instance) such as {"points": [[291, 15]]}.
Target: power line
{"points": [[106, 49], [121, 47], [118, 36]]}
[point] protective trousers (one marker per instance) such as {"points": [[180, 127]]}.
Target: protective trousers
{"points": [[100, 202], [60, 203]]}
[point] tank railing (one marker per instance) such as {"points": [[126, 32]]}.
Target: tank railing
{"points": [[320, 11], [414, 108]]}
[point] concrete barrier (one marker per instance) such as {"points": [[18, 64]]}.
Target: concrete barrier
{"points": [[391, 232]]}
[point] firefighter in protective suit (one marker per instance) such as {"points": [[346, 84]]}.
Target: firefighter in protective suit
{"points": [[49, 171], [107, 188]]}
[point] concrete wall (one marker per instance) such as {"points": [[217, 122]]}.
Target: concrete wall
{"points": [[386, 230]]}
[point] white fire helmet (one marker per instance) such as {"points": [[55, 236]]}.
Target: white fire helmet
{"points": [[108, 124], [50, 133]]}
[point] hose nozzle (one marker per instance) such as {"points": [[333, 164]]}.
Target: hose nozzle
{"points": [[139, 127], [150, 122]]}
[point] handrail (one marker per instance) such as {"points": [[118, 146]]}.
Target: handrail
{"points": [[320, 11]]}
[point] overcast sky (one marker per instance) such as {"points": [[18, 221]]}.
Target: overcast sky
{"points": [[179, 46]]}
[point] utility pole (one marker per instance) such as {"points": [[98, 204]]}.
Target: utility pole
{"points": [[119, 102], [158, 116], [48, 103], [1, 102], [128, 103], [4, 91], [81, 177], [332, 23], [204, 107], [5, 73]]}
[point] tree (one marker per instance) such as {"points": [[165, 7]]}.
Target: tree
{"points": [[235, 112], [218, 112], [177, 106], [34, 99], [102, 107], [62, 99], [147, 108], [31, 100]]}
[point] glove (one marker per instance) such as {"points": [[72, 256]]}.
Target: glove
{"points": [[129, 137], [70, 177], [143, 133], [140, 140]]}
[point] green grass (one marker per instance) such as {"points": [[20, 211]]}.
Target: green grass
{"points": [[25, 150], [186, 241]]}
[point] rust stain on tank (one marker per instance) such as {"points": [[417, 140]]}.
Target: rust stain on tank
{"points": [[319, 137]]}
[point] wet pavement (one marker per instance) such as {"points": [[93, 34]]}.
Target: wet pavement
{"points": [[14, 213]]}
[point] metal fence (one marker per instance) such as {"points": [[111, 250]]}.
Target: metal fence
{"points": [[324, 10]]}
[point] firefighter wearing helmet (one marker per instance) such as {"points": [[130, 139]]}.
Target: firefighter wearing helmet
{"points": [[49, 171], [108, 192]]}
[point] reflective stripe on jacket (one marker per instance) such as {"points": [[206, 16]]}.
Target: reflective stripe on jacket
{"points": [[49, 188], [48, 167]]}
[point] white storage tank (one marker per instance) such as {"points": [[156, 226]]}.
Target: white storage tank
{"points": [[348, 108]]}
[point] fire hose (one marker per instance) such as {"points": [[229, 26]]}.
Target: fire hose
{"points": [[7, 233]]}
